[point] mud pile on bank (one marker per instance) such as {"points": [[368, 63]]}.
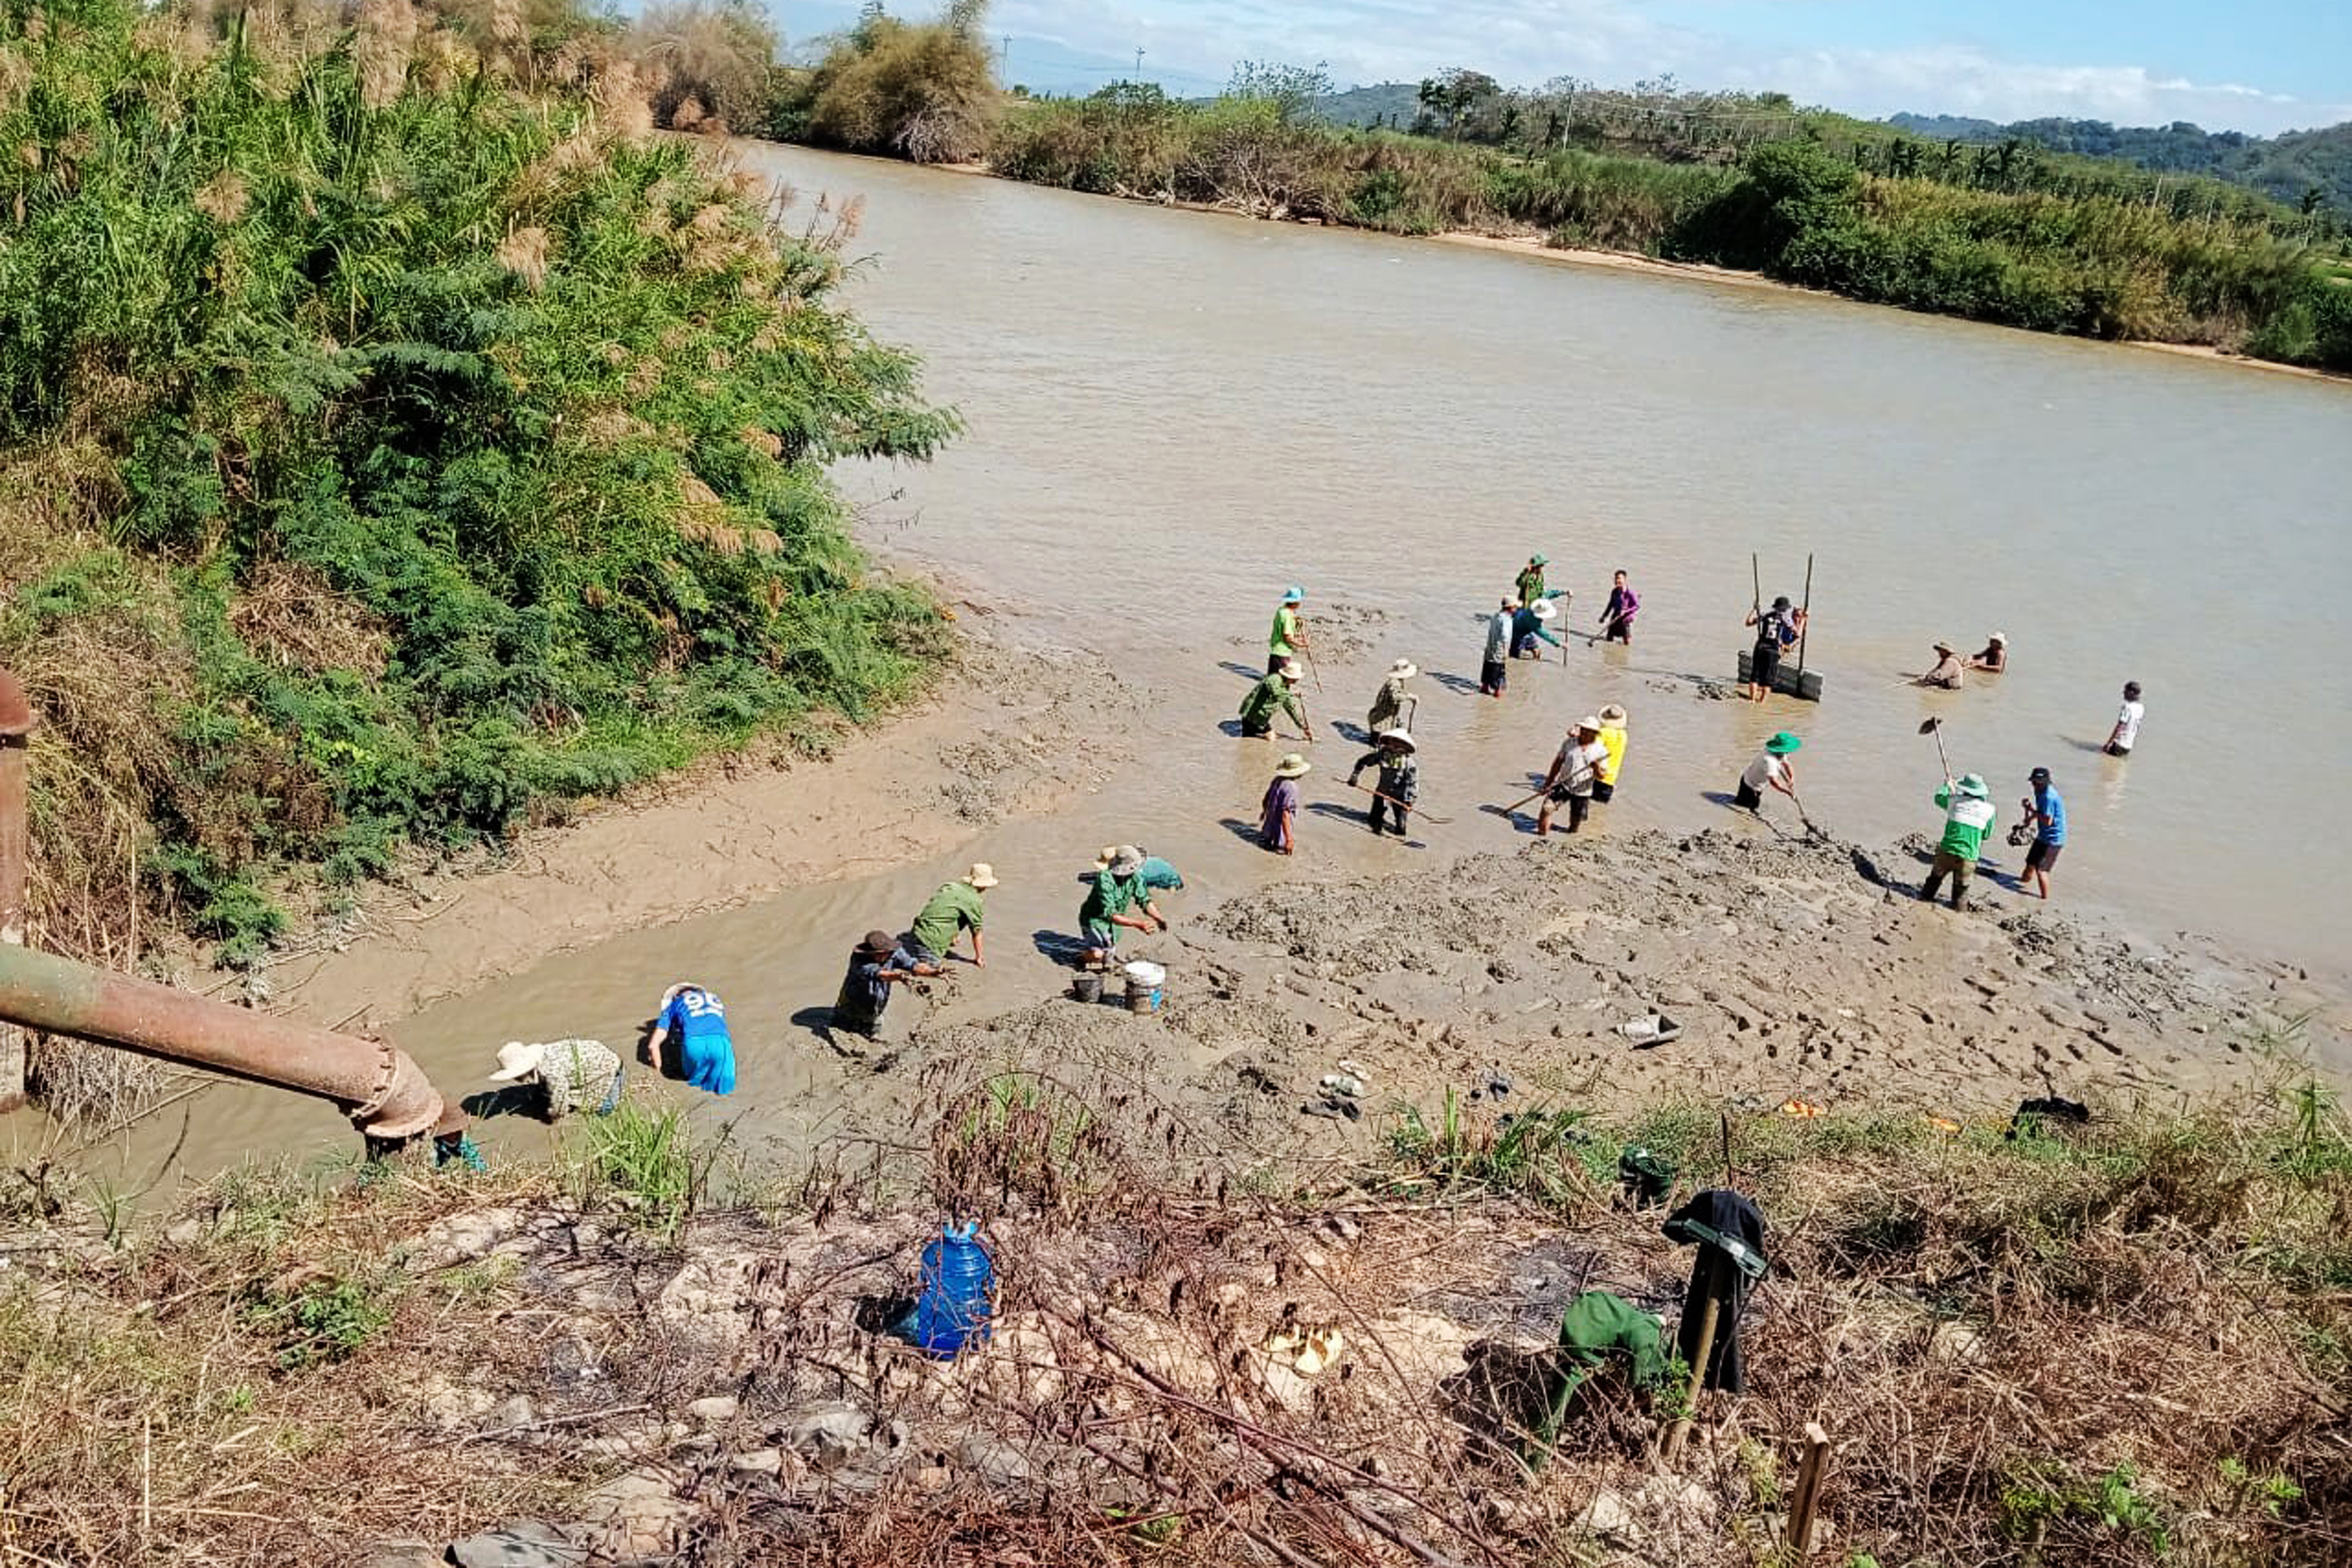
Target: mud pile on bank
{"points": [[1795, 970]]}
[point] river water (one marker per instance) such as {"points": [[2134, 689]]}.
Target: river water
{"points": [[1172, 414]]}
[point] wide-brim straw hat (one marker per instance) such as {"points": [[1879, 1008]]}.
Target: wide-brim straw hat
{"points": [[1403, 738], [1126, 860], [1103, 860], [1782, 743], [1944, 647], [1614, 715], [981, 877], [1404, 669], [516, 1060], [1543, 610], [1290, 670], [1292, 767]]}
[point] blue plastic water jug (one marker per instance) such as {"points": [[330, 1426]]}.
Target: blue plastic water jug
{"points": [[958, 1282]]}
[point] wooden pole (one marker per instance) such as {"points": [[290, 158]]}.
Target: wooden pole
{"points": [[1805, 1502], [1809, 619], [1710, 1313]]}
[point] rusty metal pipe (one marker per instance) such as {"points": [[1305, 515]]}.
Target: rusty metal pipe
{"points": [[15, 730], [385, 1093]]}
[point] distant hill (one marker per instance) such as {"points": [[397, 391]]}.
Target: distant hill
{"points": [[1388, 103], [2284, 169]]}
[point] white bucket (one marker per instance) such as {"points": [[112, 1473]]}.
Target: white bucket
{"points": [[1149, 973]]}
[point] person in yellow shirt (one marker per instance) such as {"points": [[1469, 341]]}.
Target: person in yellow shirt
{"points": [[1612, 735]]}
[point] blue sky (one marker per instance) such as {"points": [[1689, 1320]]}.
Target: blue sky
{"points": [[2259, 65]]}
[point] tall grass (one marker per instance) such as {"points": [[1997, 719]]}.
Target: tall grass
{"points": [[924, 91], [397, 444]]}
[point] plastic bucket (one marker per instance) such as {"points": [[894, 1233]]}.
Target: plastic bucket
{"points": [[1087, 987], [1141, 998]]}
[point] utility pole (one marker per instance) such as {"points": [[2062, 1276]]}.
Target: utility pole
{"points": [[1138, 61]]}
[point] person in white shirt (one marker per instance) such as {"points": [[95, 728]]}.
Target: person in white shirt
{"points": [[1572, 774], [1772, 768], [2126, 733]]}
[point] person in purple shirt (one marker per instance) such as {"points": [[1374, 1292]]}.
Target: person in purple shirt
{"points": [[1281, 805], [1616, 617]]}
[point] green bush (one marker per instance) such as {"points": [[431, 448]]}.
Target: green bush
{"points": [[420, 451]]}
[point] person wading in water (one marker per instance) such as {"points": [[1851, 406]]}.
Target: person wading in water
{"points": [[1775, 630]]}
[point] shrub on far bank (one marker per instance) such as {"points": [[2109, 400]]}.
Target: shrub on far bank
{"points": [[708, 61], [922, 91]]}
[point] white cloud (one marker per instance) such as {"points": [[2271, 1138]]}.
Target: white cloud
{"points": [[1609, 41]]}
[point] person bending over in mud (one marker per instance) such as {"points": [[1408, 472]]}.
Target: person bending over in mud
{"points": [[1389, 703], [876, 965], [1117, 899], [1770, 770], [570, 1074], [1277, 693]]}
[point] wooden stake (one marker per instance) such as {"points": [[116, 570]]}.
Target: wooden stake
{"points": [[1809, 620], [1805, 1502], [1710, 1313]]}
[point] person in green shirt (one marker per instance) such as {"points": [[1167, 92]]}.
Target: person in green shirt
{"points": [[1276, 693], [1112, 902], [1287, 636], [1530, 581], [957, 906], [1968, 818]]}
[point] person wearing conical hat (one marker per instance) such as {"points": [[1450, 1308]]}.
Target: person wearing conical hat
{"points": [[1968, 818], [1276, 692], [1945, 673], [1995, 657], [1116, 900], [876, 964], [1571, 775], [1287, 637], [570, 1074], [958, 906], [1389, 703], [1278, 813], [1399, 778], [1613, 719]]}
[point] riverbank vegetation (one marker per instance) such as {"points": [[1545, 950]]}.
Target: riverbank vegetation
{"points": [[2121, 1343], [398, 444], [2011, 233]]}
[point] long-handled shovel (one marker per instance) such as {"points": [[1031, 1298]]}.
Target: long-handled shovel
{"points": [[1935, 727], [1441, 822]]}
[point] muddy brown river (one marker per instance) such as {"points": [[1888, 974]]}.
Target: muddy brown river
{"points": [[1171, 415]]}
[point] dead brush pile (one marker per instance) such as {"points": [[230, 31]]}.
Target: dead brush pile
{"points": [[2125, 1345]]}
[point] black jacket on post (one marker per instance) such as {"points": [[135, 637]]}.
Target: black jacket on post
{"points": [[1709, 1216]]}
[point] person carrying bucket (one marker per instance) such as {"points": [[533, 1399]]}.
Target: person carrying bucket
{"points": [[1967, 817]]}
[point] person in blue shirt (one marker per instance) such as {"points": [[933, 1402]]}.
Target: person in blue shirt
{"points": [[1159, 876], [2047, 816], [697, 1020]]}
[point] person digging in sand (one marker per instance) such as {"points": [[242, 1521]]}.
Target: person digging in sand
{"points": [[2045, 819], [1276, 692], [1528, 623], [1995, 657], [1770, 770], [1398, 781], [1967, 817], [1278, 813], [958, 906], [1574, 772], [876, 965], [1947, 670], [1117, 900], [1389, 703]]}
